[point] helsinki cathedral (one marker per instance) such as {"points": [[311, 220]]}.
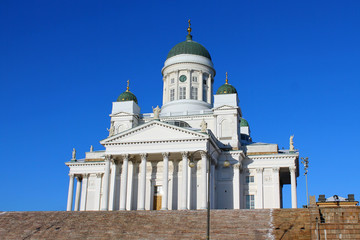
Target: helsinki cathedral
{"points": [[196, 147]]}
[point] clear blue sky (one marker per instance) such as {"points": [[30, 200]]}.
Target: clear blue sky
{"points": [[295, 65]]}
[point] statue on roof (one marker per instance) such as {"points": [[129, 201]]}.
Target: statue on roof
{"points": [[156, 112], [91, 148], [203, 126], [73, 155], [292, 143], [111, 130]]}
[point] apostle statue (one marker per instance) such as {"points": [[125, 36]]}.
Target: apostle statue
{"points": [[156, 112], [73, 155], [91, 148], [203, 126], [111, 130], [292, 143]]}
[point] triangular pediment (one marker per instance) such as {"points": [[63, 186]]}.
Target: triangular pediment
{"points": [[154, 131]]}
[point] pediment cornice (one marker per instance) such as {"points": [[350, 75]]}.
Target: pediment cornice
{"points": [[154, 132]]}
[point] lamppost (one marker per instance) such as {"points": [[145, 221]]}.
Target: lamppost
{"points": [[192, 164], [305, 162]]}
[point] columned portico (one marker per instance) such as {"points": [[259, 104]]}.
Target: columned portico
{"points": [[142, 183], [70, 193], [165, 197], [124, 183], [293, 187]]}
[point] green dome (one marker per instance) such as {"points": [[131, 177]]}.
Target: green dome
{"points": [[127, 96], [189, 47], [226, 89], [244, 123]]}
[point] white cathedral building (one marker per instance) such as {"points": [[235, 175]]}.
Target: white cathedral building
{"points": [[197, 145]]}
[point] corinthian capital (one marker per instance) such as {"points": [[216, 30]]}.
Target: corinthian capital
{"points": [[165, 154]]}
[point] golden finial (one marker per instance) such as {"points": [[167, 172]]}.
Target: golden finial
{"points": [[226, 79], [127, 88], [189, 28]]}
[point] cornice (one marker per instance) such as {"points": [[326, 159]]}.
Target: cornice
{"points": [[156, 142], [273, 156]]}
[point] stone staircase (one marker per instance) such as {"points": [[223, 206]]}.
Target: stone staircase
{"points": [[285, 224], [225, 224]]}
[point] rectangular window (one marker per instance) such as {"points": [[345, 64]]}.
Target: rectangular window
{"points": [[182, 93], [194, 79], [194, 93], [250, 202], [172, 94], [249, 179], [204, 95], [172, 80]]}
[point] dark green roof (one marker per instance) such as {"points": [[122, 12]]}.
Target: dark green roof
{"points": [[226, 89], [244, 123], [127, 96], [189, 47]]}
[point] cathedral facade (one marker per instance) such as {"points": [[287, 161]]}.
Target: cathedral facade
{"points": [[196, 147]]}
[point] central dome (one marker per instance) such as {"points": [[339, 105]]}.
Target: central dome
{"points": [[189, 47]]}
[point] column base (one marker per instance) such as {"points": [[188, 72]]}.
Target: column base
{"points": [[183, 209], [164, 209], [141, 209], [103, 209], [203, 208], [122, 209]]}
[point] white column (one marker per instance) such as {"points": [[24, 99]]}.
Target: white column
{"points": [[276, 184], [124, 177], [203, 181], [98, 190], [201, 86], [209, 89], [142, 182], [84, 192], [77, 196], [184, 185], [212, 202], [105, 199], [176, 97], [130, 190], [293, 187], [70, 193], [188, 85], [259, 190], [113, 185], [165, 197], [236, 185], [165, 90]]}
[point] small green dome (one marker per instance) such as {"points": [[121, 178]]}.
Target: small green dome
{"points": [[244, 123], [226, 89], [127, 96], [189, 47]]}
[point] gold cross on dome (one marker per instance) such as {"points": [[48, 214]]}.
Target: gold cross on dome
{"points": [[189, 28], [128, 83], [226, 79]]}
